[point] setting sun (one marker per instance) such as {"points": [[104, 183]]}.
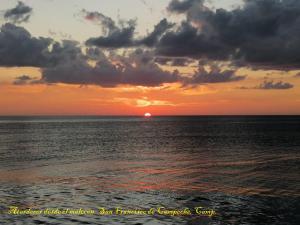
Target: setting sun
{"points": [[147, 114]]}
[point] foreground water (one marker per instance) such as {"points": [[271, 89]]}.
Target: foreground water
{"points": [[244, 168]]}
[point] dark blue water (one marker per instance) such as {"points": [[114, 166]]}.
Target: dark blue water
{"points": [[244, 168]]}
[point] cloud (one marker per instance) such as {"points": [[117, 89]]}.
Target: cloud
{"points": [[116, 34], [19, 48], [268, 85], [63, 52], [94, 53], [260, 34], [186, 41], [120, 37], [183, 6], [158, 31], [121, 34], [214, 75], [66, 62], [131, 70], [22, 80], [20, 13]]}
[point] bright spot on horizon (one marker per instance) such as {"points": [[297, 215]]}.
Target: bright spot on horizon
{"points": [[147, 114]]}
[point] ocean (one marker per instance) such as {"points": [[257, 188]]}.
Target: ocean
{"points": [[244, 168]]}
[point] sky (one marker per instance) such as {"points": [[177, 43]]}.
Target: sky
{"points": [[166, 57]]}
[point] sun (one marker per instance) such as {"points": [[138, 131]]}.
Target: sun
{"points": [[147, 114]]}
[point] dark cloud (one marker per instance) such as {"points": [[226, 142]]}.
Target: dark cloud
{"points": [[120, 37], [261, 33], [21, 80], [115, 34], [20, 13], [121, 34], [95, 53], [186, 41], [214, 75], [19, 48], [131, 70], [63, 52], [183, 6], [158, 31], [268, 85], [180, 62], [163, 60], [65, 62]]}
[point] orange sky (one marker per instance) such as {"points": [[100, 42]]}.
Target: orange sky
{"points": [[170, 99]]}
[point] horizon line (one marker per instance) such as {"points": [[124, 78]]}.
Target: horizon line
{"points": [[141, 115]]}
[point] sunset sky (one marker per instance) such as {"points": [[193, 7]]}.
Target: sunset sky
{"points": [[167, 57]]}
